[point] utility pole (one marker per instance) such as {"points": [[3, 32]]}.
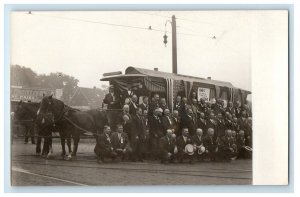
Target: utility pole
{"points": [[174, 45]]}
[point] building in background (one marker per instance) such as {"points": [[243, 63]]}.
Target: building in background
{"points": [[32, 94], [87, 98]]}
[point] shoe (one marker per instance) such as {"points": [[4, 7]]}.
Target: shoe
{"points": [[25, 142]]}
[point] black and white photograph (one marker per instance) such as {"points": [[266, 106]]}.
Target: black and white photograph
{"points": [[143, 97]]}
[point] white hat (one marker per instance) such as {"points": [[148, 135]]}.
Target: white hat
{"points": [[201, 150], [189, 149]]}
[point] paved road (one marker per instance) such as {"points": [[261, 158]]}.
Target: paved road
{"points": [[28, 169]]}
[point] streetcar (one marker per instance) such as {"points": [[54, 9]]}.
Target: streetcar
{"points": [[146, 82]]}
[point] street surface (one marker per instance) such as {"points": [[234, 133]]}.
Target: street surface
{"points": [[31, 170]]}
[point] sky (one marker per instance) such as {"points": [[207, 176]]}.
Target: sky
{"points": [[85, 45]]}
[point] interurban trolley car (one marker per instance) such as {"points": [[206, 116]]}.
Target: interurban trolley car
{"points": [[145, 82]]}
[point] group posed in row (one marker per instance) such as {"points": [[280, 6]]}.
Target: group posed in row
{"points": [[195, 130]]}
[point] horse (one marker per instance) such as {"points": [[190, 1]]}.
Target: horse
{"points": [[73, 122], [27, 114]]}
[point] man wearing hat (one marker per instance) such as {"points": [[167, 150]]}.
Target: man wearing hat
{"points": [[199, 143], [185, 146], [167, 147]]}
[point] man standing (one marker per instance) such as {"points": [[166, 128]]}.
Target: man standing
{"points": [[113, 103], [194, 107], [176, 123], [154, 104], [163, 104], [201, 123], [104, 148], [177, 103], [137, 135], [167, 147], [166, 120], [133, 105], [120, 142], [156, 132], [182, 142], [189, 121], [145, 105]]}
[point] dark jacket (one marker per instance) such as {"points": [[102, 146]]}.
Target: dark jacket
{"points": [[181, 143], [113, 102], [190, 123], [119, 143], [155, 127], [167, 145]]}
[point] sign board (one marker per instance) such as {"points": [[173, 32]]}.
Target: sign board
{"points": [[203, 93], [58, 93]]}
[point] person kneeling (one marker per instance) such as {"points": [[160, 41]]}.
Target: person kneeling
{"points": [[185, 146], [104, 148], [167, 147], [228, 148], [120, 143]]}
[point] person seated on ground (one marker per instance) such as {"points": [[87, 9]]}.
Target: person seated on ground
{"points": [[185, 146], [244, 151], [211, 145], [167, 147], [228, 150], [104, 148], [199, 143], [120, 143]]}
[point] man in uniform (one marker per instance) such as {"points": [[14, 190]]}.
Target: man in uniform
{"points": [[167, 147]]}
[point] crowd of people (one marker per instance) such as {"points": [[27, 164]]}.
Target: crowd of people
{"points": [[194, 131]]}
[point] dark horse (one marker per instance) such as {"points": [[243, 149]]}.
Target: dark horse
{"points": [[73, 122], [26, 115]]}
